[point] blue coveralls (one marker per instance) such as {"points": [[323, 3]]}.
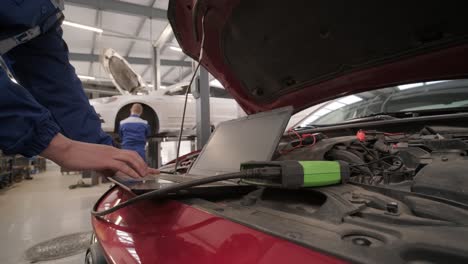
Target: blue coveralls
{"points": [[134, 131], [50, 98]]}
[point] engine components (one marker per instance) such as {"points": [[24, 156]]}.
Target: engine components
{"points": [[443, 179], [386, 158]]}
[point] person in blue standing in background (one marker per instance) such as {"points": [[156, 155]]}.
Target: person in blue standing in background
{"points": [[134, 131], [43, 108]]}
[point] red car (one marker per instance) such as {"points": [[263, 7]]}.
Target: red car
{"points": [[392, 74]]}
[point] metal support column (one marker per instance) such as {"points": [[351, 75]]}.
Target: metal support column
{"points": [[203, 108], [157, 46], [153, 154], [156, 68]]}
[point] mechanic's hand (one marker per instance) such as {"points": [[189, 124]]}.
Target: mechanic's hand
{"points": [[107, 160]]}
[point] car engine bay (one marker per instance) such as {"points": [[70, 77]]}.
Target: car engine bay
{"points": [[431, 161], [406, 196]]}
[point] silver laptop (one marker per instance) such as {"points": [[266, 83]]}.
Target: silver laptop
{"points": [[250, 138]]}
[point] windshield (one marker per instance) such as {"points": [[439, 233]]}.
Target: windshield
{"points": [[402, 98]]}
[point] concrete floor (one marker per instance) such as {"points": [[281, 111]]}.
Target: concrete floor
{"points": [[41, 209]]}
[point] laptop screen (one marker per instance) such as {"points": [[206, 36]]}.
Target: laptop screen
{"points": [[251, 138]]}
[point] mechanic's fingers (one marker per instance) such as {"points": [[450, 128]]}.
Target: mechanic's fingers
{"points": [[137, 158], [133, 162], [152, 171], [124, 168]]}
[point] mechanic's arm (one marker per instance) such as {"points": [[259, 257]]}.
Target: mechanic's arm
{"points": [[121, 133], [27, 128], [148, 131], [105, 159], [42, 66]]}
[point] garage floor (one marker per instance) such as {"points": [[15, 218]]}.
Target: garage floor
{"points": [[41, 209]]}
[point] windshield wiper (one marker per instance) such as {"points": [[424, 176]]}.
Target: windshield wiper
{"points": [[376, 116]]}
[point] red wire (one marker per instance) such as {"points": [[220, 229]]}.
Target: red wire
{"points": [[301, 138], [293, 148]]}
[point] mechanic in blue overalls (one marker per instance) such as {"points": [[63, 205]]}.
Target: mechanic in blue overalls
{"points": [[43, 108], [134, 131]]}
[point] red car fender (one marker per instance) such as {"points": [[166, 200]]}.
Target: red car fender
{"points": [[173, 232]]}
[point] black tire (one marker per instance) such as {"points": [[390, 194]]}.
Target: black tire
{"points": [[148, 115], [95, 255]]}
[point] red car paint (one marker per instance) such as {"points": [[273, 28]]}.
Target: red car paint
{"points": [[441, 65], [172, 232]]}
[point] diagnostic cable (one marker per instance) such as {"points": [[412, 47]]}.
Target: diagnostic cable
{"points": [[265, 172], [289, 174], [202, 43]]}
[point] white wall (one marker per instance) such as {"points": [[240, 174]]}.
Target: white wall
{"points": [[169, 150]]}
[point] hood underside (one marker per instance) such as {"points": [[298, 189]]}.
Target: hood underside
{"points": [[270, 54], [124, 77]]}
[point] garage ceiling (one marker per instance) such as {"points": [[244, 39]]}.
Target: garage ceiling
{"points": [[129, 27]]}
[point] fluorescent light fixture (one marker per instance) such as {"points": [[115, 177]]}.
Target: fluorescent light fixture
{"points": [[216, 83], [175, 48], [409, 86], [350, 99], [76, 25], [334, 105], [14, 80], [84, 77]]}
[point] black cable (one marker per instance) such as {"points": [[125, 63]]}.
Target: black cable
{"points": [[183, 118], [251, 173], [379, 160], [187, 92]]}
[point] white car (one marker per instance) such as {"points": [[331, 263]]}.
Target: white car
{"points": [[161, 108]]}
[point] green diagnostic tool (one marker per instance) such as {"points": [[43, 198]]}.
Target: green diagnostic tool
{"points": [[301, 174]]}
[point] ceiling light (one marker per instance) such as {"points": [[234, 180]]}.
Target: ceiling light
{"points": [[350, 99], [84, 77], [176, 49], [410, 86], [71, 24], [216, 83]]}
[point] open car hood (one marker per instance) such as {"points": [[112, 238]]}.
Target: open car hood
{"points": [[125, 79], [270, 54]]}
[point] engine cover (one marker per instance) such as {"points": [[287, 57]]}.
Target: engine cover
{"points": [[443, 179]]}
